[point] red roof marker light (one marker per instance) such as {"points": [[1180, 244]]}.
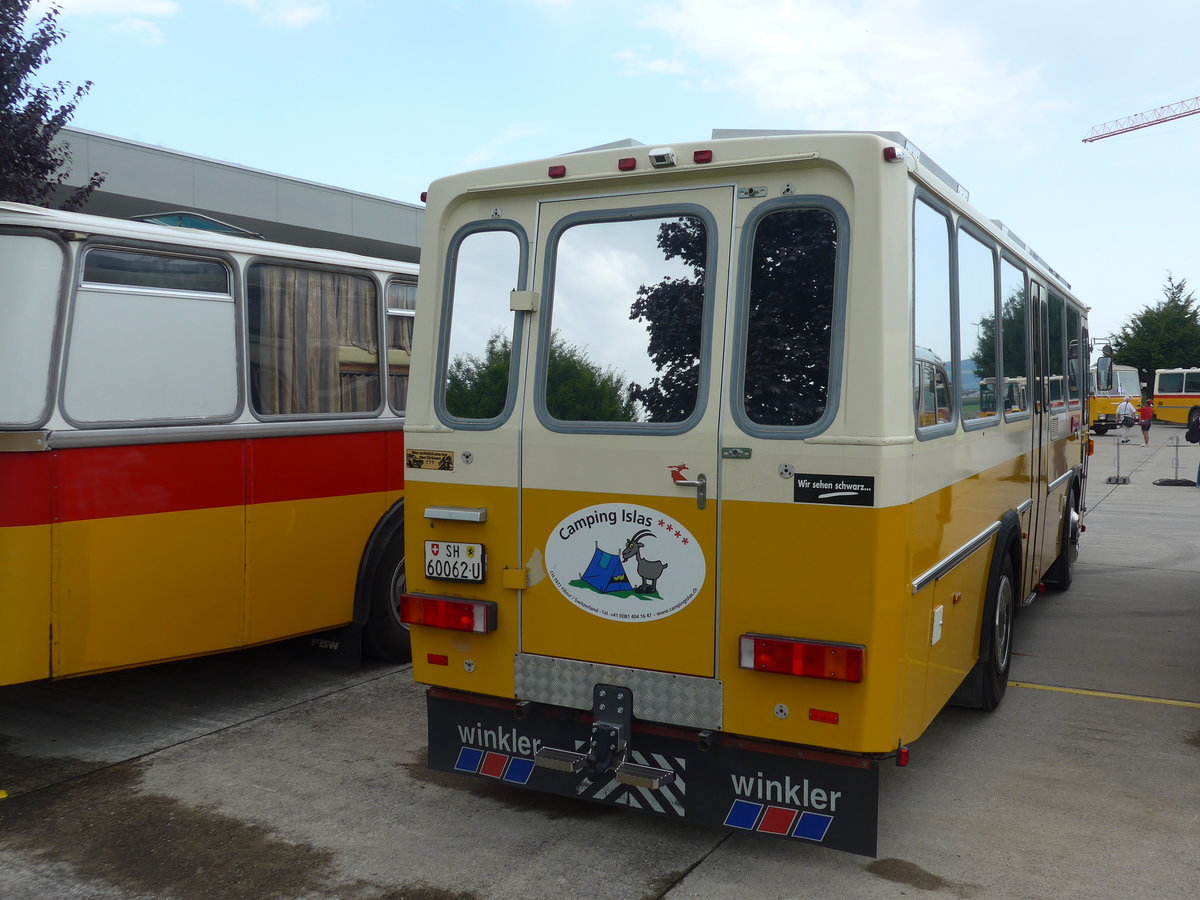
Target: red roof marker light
{"points": [[556, 171], [702, 156]]}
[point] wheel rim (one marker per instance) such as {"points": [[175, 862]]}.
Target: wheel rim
{"points": [[397, 587], [1002, 632]]}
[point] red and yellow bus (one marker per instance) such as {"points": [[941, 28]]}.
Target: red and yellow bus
{"points": [[200, 443], [1177, 395], [712, 518]]}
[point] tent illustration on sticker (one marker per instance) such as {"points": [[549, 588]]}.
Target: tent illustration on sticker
{"points": [[606, 573]]}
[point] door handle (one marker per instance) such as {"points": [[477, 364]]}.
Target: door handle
{"points": [[701, 486]]}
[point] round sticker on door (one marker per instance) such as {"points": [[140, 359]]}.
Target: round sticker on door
{"points": [[625, 562]]}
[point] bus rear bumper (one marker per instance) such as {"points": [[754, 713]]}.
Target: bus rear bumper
{"points": [[714, 778]]}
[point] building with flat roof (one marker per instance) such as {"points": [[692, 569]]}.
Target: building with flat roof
{"points": [[143, 180]]}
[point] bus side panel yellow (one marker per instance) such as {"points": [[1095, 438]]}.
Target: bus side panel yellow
{"points": [[480, 663], [828, 574], [25, 603], [138, 589], [958, 598], [302, 559]]}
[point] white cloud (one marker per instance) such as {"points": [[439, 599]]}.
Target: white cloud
{"points": [[288, 13], [140, 30], [837, 64]]}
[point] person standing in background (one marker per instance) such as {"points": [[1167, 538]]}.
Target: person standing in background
{"points": [[1127, 416], [1145, 414]]}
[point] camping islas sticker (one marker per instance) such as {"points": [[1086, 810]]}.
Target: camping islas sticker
{"points": [[625, 562]]}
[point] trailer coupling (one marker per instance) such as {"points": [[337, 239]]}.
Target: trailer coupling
{"points": [[608, 747]]}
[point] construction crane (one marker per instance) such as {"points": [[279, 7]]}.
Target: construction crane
{"points": [[1144, 119]]}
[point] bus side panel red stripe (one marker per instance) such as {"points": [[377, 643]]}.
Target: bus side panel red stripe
{"points": [[100, 482], [302, 468], [395, 460], [24, 489]]}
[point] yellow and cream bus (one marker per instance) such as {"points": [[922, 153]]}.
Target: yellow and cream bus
{"points": [[200, 444], [701, 523], [1177, 395], [1109, 385]]}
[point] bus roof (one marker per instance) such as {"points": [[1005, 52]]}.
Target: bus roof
{"points": [[26, 216]]}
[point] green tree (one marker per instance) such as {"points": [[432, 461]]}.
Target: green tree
{"points": [[32, 165], [1012, 334], [577, 390], [1163, 336]]}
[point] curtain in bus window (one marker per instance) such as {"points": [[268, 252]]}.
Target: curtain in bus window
{"points": [[790, 317], [401, 297], [313, 341]]}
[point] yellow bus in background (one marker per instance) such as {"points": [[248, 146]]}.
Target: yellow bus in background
{"points": [[1107, 390], [702, 523], [200, 444], [1177, 395]]}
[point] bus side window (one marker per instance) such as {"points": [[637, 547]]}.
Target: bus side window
{"points": [[976, 323], [1014, 364], [1191, 383], [401, 301], [477, 380], [314, 341], [932, 303]]}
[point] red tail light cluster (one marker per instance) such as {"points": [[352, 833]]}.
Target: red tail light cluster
{"points": [[478, 616], [810, 659]]}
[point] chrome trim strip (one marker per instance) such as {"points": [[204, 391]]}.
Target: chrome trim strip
{"points": [[224, 431], [954, 558], [1057, 482], [1024, 506], [456, 513]]}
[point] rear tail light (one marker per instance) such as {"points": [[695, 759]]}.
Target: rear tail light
{"points": [[478, 616], [811, 659]]}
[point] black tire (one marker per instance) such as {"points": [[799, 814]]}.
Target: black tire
{"points": [[384, 635], [1062, 572], [1100, 429], [1193, 418], [985, 684]]}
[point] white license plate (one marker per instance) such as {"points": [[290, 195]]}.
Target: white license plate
{"points": [[454, 561]]}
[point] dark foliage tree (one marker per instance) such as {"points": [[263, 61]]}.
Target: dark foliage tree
{"points": [[1012, 339], [674, 312], [787, 331], [1163, 336], [577, 390], [32, 165]]}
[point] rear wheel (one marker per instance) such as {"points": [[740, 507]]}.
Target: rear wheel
{"points": [[385, 636], [987, 681], [1062, 572], [1193, 418]]}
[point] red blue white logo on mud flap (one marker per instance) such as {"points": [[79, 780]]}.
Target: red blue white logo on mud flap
{"points": [[514, 769], [781, 820]]}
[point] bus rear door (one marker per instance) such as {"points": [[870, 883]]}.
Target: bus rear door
{"points": [[620, 498]]}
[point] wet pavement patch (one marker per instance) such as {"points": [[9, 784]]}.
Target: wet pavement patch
{"points": [[107, 830], [901, 871]]}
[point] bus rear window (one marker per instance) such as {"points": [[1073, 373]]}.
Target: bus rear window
{"points": [[158, 271], [790, 318]]}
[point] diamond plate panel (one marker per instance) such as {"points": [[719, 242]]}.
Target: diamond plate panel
{"points": [[657, 696]]}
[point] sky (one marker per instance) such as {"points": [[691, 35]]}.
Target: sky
{"points": [[383, 97]]}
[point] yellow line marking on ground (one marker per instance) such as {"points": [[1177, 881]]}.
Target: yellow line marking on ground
{"points": [[1187, 704]]}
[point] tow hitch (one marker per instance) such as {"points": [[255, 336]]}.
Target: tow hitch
{"points": [[608, 746]]}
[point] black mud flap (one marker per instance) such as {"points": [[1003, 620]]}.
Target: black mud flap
{"points": [[720, 779]]}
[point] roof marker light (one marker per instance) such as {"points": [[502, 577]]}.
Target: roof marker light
{"points": [[810, 659], [424, 196], [893, 154], [556, 171], [626, 163], [702, 156], [456, 614]]}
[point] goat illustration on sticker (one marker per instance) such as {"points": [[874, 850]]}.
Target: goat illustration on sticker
{"points": [[625, 562]]}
